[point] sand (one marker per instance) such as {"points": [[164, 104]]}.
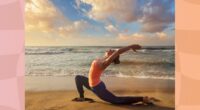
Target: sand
{"points": [[56, 93]]}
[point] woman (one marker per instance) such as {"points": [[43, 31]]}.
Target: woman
{"points": [[98, 87]]}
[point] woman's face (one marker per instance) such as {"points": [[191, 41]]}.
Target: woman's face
{"points": [[108, 53]]}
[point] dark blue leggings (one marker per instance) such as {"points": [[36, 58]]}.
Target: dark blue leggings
{"points": [[101, 91]]}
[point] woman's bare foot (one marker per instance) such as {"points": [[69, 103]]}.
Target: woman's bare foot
{"points": [[150, 100]]}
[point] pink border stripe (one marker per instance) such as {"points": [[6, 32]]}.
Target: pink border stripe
{"points": [[12, 55]]}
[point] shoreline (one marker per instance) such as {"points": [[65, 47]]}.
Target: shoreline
{"points": [[48, 83]]}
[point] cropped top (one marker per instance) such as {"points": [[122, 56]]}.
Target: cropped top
{"points": [[95, 73]]}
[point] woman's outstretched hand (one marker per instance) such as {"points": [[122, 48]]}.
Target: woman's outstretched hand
{"points": [[83, 100], [135, 47]]}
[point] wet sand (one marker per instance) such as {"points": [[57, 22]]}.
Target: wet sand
{"points": [[56, 93]]}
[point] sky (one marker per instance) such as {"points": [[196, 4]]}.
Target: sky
{"points": [[99, 22]]}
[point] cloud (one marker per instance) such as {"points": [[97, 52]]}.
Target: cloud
{"points": [[111, 28], [104, 10], [161, 35], [74, 28], [135, 36], [160, 38], [153, 15], [42, 16], [156, 15]]}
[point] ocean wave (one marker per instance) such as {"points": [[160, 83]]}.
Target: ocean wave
{"points": [[51, 51], [126, 62], [152, 73], [169, 77], [147, 51], [62, 50], [43, 53], [140, 76]]}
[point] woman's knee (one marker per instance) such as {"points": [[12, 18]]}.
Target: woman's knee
{"points": [[78, 77]]}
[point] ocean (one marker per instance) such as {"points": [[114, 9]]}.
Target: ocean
{"points": [[150, 62]]}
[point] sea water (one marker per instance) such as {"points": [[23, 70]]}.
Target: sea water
{"points": [[149, 62]]}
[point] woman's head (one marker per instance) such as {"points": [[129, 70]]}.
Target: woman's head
{"points": [[110, 52]]}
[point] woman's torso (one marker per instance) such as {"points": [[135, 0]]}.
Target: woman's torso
{"points": [[95, 73]]}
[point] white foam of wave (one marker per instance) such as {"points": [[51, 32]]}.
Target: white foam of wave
{"points": [[121, 75]]}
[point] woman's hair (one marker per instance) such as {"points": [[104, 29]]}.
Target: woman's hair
{"points": [[116, 60]]}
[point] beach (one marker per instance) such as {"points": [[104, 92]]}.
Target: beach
{"points": [[129, 44], [50, 73], [56, 93]]}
